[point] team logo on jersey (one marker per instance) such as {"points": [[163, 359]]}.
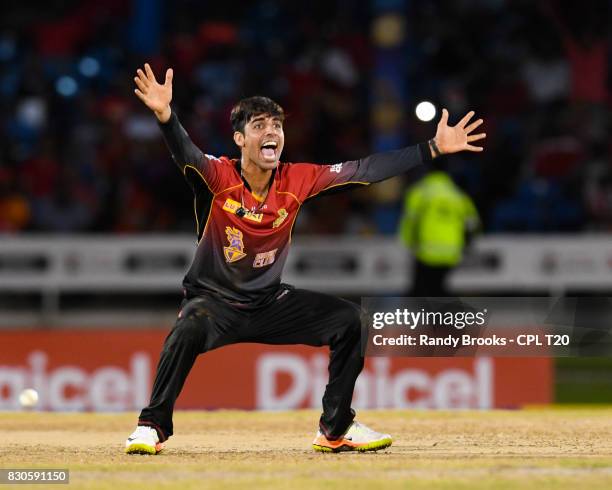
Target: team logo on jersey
{"points": [[282, 216], [336, 168], [235, 251], [264, 258], [232, 206]]}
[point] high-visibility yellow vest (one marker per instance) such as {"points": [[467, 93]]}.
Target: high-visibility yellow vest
{"points": [[437, 215]]}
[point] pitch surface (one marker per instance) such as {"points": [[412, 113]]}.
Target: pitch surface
{"points": [[529, 449]]}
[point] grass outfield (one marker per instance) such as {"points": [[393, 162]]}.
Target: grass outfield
{"points": [[530, 449]]}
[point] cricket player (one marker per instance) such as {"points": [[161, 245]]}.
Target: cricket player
{"points": [[245, 210]]}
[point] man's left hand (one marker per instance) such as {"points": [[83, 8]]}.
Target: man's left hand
{"points": [[452, 139]]}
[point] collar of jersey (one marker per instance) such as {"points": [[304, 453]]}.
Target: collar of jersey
{"points": [[238, 168]]}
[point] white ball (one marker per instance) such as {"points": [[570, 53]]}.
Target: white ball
{"points": [[425, 111], [28, 398]]}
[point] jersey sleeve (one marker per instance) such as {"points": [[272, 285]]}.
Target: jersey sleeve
{"points": [[368, 170], [189, 158]]}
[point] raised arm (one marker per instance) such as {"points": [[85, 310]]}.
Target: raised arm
{"points": [[157, 97], [448, 139], [382, 166]]}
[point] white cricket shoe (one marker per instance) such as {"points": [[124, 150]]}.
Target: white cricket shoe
{"points": [[358, 437], [144, 440]]}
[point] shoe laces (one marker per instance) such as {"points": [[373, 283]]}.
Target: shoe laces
{"points": [[143, 430], [364, 429]]}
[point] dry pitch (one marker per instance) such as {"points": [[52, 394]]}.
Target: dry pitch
{"points": [[530, 449]]}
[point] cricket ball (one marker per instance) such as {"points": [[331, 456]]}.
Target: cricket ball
{"points": [[28, 398]]}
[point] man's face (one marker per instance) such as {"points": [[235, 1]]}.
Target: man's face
{"points": [[262, 141]]}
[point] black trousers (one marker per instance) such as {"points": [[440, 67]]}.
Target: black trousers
{"points": [[295, 316], [429, 281]]}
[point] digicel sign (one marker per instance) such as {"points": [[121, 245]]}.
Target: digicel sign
{"points": [[72, 388], [377, 386], [112, 370]]}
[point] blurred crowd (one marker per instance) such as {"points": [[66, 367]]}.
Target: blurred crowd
{"points": [[80, 153]]}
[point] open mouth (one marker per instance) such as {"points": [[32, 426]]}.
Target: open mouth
{"points": [[268, 150]]}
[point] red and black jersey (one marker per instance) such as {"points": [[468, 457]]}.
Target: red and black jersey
{"points": [[240, 255]]}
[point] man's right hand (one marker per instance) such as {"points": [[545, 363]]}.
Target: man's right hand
{"points": [[156, 97]]}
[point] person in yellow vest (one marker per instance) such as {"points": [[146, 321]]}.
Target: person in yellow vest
{"points": [[439, 221]]}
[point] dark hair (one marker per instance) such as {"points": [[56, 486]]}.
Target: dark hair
{"points": [[248, 108]]}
